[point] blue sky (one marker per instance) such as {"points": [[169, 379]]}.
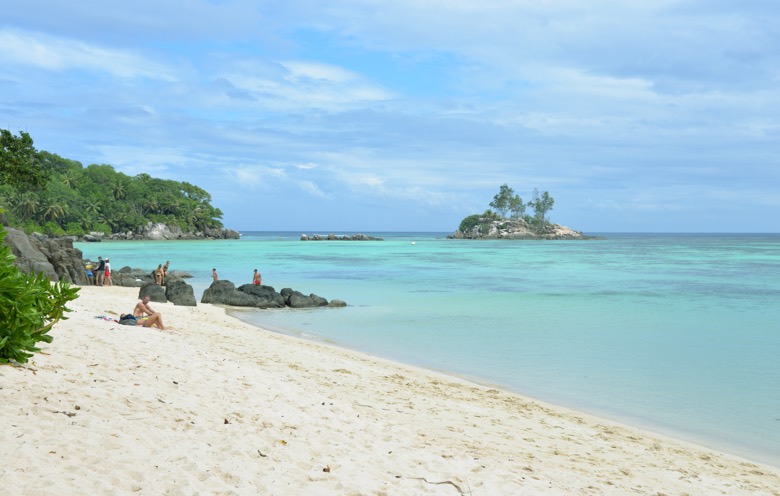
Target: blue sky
{"points": [[354, 116]]}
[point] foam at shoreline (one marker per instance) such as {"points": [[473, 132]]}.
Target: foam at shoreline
{"points": [[216, 406]]}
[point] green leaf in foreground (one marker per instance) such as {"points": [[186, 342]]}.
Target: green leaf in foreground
{"points": [[30, 305]]}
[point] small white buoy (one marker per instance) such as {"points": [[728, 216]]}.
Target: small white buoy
{"points": [[414, 243]]}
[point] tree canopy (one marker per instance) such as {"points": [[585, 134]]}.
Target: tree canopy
{"points": [[29, 303], [69, 198], [506, 201]]}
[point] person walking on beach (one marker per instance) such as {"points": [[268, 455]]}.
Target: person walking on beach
{"points": [[214, 275], [107, 280], [257, 279], [146, 316], [100, 273]]}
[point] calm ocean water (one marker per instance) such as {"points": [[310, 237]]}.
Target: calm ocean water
{"points": [[676, 333]]}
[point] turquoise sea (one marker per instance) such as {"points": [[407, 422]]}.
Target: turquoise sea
{"points": [[675, 333]]}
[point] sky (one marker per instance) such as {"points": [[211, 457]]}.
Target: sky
{"points": [[408, 115]]}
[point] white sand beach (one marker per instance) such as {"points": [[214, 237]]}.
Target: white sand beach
{"points": [[213, 406]]}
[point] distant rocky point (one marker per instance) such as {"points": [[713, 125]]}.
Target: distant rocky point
{"points": [[160, 231], [517, 229], [339, 237]]}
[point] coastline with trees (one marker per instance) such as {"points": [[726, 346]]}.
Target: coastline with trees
{"points": [[43, 192]]}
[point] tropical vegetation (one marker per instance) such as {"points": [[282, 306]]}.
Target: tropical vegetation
{"points": [[30, 304], [43, 192], [507, 202]]}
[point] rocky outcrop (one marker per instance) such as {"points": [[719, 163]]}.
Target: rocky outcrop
{"points": [[54, 257], [135, 278], [180, 293], [512, 229], [160, 231], [154, 292], [131, 278], [339, 237], [225, 293]]}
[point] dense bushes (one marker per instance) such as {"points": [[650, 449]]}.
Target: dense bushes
{"points": [[29, 306]]}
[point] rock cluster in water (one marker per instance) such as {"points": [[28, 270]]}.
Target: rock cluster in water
{"points": [[261, 296], [339, 237]]}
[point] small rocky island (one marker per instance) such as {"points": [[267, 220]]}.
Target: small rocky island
{"points": [[517, 229], [494, 224], [339, 237]]}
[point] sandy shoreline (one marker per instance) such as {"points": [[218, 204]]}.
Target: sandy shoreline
{"points": [[214, 406]]}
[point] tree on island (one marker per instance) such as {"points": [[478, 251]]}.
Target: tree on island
{"points": [[30, 304], [507, 202], [541, 204]]}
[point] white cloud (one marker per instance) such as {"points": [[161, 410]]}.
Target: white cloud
{"points": [[312, 188], [62, 54]]}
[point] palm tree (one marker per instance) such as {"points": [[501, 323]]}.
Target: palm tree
{"points": [[26, 205], [69, 179], [119, 191], [92, 208], [54, 212]]}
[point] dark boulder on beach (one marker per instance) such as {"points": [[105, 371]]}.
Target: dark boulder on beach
{"points": [[180, 293], [296, 299], [267, 297], [218, 292], [131, 278], [156, 293], [248, 295]]}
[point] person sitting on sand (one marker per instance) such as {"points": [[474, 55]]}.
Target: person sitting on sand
{"points": [[146, 316], [257, 279]]}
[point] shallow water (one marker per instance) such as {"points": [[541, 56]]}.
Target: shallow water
{"points": [[676, 333]]}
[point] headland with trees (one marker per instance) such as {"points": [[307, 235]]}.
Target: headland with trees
{"points": [[43, 192]]}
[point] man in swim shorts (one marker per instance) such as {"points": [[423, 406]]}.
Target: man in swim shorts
{"points": [[146, 316]]}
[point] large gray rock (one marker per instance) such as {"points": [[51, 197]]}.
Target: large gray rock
{"points": [[218, 292], [155, 293], [225, 293], [296, 299], [266, 296], [132, 278], [54, 257], [180, 293]]}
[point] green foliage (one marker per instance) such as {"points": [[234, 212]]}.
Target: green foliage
{"points": [[469, 222], [541, 204], [18, 164], [31, 226], [504, 199], [96, 197], [53, 229], [507, 201], [29, 306]]}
